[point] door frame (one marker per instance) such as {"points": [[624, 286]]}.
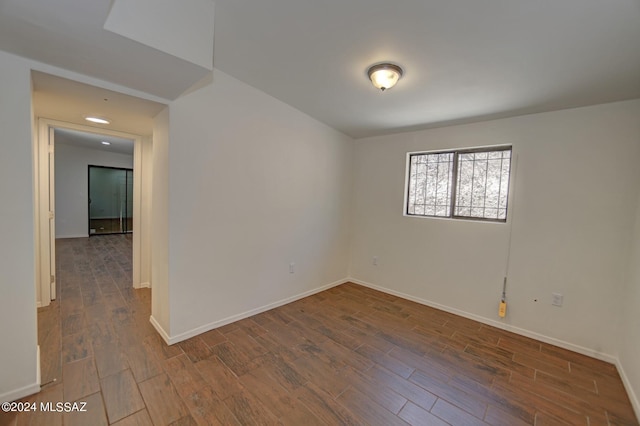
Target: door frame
{"points": [[45, 203]]}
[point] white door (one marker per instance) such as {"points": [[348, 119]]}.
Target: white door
{"points": [[46, 235], [52, 220]]}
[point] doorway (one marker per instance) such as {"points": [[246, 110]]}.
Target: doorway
{"points": [[59, 104], [47, 215], [110, 200]]}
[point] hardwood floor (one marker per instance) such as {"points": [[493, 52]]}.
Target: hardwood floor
{"points": [[348, 355]]}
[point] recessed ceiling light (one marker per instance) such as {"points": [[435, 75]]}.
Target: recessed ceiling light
{"points": [[106, 143], [98, 120]]}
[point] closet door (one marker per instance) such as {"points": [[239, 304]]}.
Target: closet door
{"points": [[110, 200]]}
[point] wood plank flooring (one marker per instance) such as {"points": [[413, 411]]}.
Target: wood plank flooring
{"points": [[346, 356]]}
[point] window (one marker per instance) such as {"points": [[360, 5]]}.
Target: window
{"points": [[460, 184]]}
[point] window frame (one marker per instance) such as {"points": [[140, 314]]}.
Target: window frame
{"points": [[454, 182]]}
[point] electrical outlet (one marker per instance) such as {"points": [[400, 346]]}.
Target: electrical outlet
{"points": [[556, 299], [375, 261], [292, 268]]}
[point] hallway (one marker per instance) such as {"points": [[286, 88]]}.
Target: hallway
{"points": [[95, 337]]}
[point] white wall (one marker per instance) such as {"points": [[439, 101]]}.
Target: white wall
{"points": [[71, 164], [575, 192], [254, 185], [146, 209], [629, 337], [160, 225], [18, 359]]}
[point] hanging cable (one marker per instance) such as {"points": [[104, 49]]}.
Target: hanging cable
{"points": [[502, 310]]}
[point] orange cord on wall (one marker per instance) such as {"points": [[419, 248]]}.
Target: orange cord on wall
{"points": [[502, 309]]}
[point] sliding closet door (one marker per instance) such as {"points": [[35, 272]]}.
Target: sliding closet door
{"points": [[128, 223], [110, 200]]}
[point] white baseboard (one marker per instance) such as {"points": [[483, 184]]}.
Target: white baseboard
{"points": [[20, 393], [38, 375], [142, 285], [207, 327], [25, 390], [517, 330], [160, 330], [60, 237], [627, 385]]}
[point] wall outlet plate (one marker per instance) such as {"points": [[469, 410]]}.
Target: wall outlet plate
{"points": [[556, 299]]}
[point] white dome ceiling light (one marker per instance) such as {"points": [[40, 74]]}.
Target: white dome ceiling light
{"points": [[384, 76]]}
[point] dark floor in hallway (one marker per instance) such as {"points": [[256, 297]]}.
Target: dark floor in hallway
{"points": [[348, 355]]}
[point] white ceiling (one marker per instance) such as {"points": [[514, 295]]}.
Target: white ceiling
{"points": [[464, 60], [93, 141], [70, 101], [70, 34]]}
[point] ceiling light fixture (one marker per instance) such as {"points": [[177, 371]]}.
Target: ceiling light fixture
{"points": [[99, 120], [106, 143], [384, 76]]}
